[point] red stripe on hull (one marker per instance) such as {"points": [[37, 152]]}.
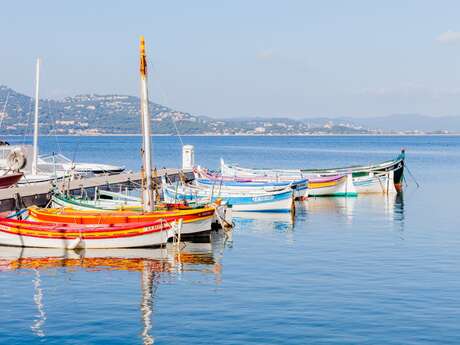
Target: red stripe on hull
{"points": [[9, 180]]}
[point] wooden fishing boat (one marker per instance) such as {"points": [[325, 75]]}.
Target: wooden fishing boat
{"points": [[59, 200], [335, 185], [222, 213], [299, 187], [111, 201], [341, 185], [375, 183], [249, 201], [24, 233], [9, 180], [195, 221], [361, 174], [393, 168], [61, 163], [106, 231]]}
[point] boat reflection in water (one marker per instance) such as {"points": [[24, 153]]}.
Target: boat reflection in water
{"points": [[388, 207], [277, 220], [153, 264], [37, 325], [203, 254], [339, 205], [266, 222]]}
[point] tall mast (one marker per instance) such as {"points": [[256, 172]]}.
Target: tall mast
{"points": [[35, 144], [146, 132]]}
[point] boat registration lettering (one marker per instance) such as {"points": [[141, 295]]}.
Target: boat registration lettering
{"points": [[156, 227], [263, 198]]}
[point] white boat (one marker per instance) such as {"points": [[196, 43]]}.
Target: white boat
{"points": [[221, 217], [41, 178], [45, 168], [299, 187], [375, 183], [392, 169], [341, 185], [315, 185], [249, 201], [274, 174], [74, 236], [19, 158], [58, 200], [25, 158], [60, 163]]}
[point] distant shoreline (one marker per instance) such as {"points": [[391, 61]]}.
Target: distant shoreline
{"points": [[246, 135]]}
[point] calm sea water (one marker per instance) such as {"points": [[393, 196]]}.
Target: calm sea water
{"points": [[369, 270]]}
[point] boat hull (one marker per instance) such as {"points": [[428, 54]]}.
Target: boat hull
{"points": [[26, 234], [109, 205], [194, 221], [9, 180], [41, 178], [282, 206], [197, 226], [380, 184], [336, 186], [395, 166], [299, 186], [267, 202]]}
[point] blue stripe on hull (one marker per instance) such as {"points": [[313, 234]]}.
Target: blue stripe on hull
{"points": [[252, 184], [260, 200], [282, 210]]}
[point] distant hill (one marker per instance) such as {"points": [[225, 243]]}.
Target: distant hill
{"points": [[119, 114], [408, 122], [90, 114]]}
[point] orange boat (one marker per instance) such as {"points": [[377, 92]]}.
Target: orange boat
{"points": [[194, 220]]}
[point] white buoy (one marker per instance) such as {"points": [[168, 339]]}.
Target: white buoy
{"points": [[188, 157]]}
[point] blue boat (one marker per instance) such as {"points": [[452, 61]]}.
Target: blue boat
{"points": [[255, 201]]}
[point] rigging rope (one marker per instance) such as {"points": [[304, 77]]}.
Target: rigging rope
{"points": [[53, 125], [4, 108], [28, 123], [165, 101]]}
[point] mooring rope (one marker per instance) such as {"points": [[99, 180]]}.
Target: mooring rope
{"points": [[411, 175]]}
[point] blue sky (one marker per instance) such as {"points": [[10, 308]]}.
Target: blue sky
{"points": [[243, 58]]}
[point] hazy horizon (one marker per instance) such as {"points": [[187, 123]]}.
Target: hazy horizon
{"points": [[257, 59], [262, 116]]}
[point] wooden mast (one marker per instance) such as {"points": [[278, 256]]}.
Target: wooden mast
{"points": [[148, 200]]}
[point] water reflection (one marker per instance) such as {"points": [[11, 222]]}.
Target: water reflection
{"points": [[153, 266], [37, 326], [266, 223], [203, 255], [398, 212], [16, 258], [399, 207], [147, 288], [266, 220], [389, 207], [337, 205]]}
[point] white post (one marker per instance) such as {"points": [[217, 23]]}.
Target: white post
{"points": [[35, 143], [146, 132], [188, 156]]}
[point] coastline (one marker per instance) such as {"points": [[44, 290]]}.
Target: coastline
{"points": [[249, 135]]}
